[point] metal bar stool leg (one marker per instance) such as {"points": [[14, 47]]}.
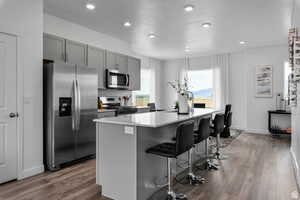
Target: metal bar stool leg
{"points": [[209, 164], [171, 194], [218, 154], [193, 180]]}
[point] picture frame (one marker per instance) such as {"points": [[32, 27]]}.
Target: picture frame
{"points": [[264, 81]]}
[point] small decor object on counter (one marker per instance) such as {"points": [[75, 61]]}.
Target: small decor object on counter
{"points": [[99, 104], [184, 95], [124, 100], [264, 81]]}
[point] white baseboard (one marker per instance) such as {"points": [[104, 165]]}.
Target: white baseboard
{"points": [[237, 128], [296, 168], [31, 172], [258, 131]]}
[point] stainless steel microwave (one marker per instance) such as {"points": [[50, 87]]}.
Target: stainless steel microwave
{"points": [[116, 80]]}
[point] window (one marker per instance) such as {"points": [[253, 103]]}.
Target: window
{"points": [[146, 94], [287, 72], [201, 85]]}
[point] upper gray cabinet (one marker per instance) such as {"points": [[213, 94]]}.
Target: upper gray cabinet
{"points": [[117, 61], [76, 53], [96, 58], [134, 71], [54, 48]]}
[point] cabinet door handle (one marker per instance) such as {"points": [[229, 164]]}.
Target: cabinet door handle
{"points": [[13, 115]]}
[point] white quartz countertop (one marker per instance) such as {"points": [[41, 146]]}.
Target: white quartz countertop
{"points": [[154, 119]]}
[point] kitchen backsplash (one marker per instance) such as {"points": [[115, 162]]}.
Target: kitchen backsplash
{"points": [[118, 93]]}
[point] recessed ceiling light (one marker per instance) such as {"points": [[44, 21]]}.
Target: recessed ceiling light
{"points": [[90, 6], [189, 8], [127, 24], [152, 36], [206, 25], [242, 42]]}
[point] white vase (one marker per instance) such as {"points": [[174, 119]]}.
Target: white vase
{"points": [[183, 105]]}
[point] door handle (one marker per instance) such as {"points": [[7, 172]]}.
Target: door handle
{"points": [[127, 80], [13, 115]]}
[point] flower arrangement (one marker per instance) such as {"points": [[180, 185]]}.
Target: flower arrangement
{"points": [[182, 89]]}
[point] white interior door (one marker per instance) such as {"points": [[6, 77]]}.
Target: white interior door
{"points": [[8, 108]]}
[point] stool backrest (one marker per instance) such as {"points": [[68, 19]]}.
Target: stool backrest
{"points": [[184, 137], [228, 120], [227, 109], [204, 129], [218, 123], [199, 105], [152, 107]]}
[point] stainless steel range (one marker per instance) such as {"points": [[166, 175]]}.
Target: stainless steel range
{"points": [[114, 103]]}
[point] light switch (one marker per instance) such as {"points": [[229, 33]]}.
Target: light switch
{"points": [[129, 130]]}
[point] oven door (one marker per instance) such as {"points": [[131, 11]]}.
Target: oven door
{"points": [[116, 80]]}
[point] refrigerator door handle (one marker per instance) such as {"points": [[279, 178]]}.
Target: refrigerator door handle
{"points": [[78, 105], [74, 102]]}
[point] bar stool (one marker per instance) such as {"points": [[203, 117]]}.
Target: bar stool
{"points": [[227, 123], [184, 143], [202, 134], [217, 129]]}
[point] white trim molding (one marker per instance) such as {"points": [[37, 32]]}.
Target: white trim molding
{"points": [[296, 168], [258, 131], [31, 172]]}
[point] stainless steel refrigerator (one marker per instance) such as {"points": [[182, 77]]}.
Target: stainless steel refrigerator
{"points": [[70, 105]]}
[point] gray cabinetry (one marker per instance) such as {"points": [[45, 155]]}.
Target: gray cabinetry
{"points": [[106, 114], [116, 61], [96, 58], [76, 53], [134, 71], [143, 109], [54, 48], [60, 49]]}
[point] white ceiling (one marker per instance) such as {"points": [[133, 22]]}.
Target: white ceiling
{"points": [[259, 22]]}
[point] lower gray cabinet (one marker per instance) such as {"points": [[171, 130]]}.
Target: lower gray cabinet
{"points": [[76, 53], [143, 109], [106, 114], [96, 58], [134, 71]]}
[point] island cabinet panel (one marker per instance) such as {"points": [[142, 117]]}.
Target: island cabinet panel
{"points": [[76, 53], [117, 157], [115, 61], [54, 48], [96, 58], [134, 71]]}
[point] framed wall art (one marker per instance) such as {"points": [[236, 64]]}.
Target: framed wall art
{"points": [[264, 81]]}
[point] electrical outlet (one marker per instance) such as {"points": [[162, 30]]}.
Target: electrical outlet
{"points": [[129, 130]]}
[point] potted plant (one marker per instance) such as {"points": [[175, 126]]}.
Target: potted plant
{"points": [[184, 95]]}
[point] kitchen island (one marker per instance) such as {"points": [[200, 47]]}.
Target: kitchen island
{"points": [[124, 170]]}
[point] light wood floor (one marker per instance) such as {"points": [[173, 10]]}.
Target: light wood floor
{"points": [[259, 168]]}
